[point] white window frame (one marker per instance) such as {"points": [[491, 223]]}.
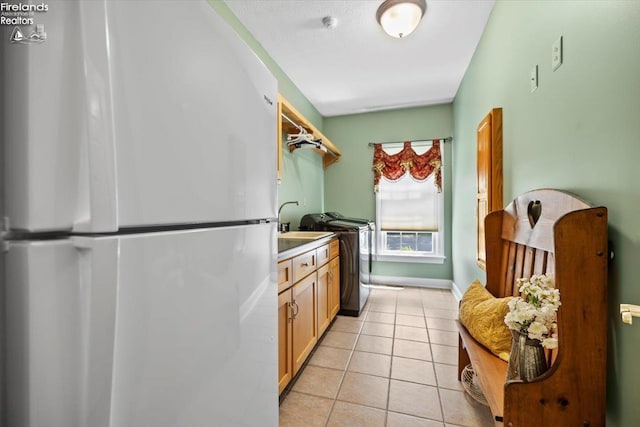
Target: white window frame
{"points": [[437, 257]]}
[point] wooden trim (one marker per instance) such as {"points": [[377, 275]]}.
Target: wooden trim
{"points": [[290, 111], [489, 175]]}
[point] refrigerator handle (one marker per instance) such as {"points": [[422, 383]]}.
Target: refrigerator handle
{"points": [[99, 280], [97, 205]]}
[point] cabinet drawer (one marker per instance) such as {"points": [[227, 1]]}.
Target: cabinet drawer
{"points": [[334, 249], [303, 265], [323, 255], [285, 275]]}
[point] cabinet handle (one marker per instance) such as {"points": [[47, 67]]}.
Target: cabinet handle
{"points": [[305, 264], [294, 313]]}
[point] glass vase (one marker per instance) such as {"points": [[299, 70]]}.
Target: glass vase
{"points": [[527, 360]]}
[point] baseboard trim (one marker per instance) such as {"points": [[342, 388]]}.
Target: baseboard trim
{"points": [[456, 291], [419, 282]]}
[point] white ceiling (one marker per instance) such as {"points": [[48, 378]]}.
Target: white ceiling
{"points": [[356, 67]]}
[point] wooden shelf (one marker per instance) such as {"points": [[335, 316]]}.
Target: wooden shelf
{"points": [[331, 156]]}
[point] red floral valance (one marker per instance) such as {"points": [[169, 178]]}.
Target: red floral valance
{"points": [[420, 166]]}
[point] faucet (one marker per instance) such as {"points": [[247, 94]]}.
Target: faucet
{"points": [[283, 227]]}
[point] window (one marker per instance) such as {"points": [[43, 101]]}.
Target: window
{"points": [[409, 213]]}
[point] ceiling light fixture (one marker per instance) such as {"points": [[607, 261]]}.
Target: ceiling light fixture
{"points": [[399, 18]]}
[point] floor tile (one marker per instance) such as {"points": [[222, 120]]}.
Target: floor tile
{"points": [[364, 389], [411, 349], [349, 414], [413, 300], [375, 316], [377, 329], [323, 382], [373, 344], [447, 376], [461, 409], [411, 310], [443, 337], [347, 324], [441, 314], [370, 363], [401, 420], [339, 340], [409, 320], [383, 308], [394, 321], [442, 324], [412, 334], [304, 410], [330, 357], [439, 303], [417, 371], [445, 354], [415, 399]]}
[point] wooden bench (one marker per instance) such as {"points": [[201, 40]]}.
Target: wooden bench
{"points": [[555, 233]]}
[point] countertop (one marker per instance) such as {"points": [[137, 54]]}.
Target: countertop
{"points": [[288, 248]]}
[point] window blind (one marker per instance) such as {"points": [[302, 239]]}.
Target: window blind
{"points": [[408, 205]]}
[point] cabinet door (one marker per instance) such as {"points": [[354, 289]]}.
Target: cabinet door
{"points": [[334, 288], [305, 327], [285, 371], [324, 298]]}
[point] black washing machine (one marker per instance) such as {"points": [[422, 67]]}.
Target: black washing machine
{"points": [[356, 259]]}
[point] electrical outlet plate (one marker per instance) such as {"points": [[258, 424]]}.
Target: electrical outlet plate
{"points": [[556, 54], [533, 79]]}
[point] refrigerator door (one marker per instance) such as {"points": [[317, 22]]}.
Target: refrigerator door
{"points": [[136, 113], [60, 322], [161, 329]]}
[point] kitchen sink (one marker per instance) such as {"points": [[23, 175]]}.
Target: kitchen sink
{"points": [[309, 235]]}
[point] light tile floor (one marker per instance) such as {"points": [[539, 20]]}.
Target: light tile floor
{"points": [[393, 366]]}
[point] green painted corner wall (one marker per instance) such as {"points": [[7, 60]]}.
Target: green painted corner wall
{"points": [[349, 182], [285, 86], [302, 173], [579, 131]]}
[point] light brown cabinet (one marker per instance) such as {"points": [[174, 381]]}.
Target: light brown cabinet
{"points": [[334, 293], [328, 285], [489, 175], [305, 319], [308, 300]]}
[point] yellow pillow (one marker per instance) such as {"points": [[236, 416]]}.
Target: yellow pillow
{"points": [[483, 316]]}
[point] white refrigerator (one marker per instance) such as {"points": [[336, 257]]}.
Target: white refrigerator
{"points": [[139, 204]]}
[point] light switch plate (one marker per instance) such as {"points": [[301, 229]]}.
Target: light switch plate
{"points": [[556, 54], [533, 78]]}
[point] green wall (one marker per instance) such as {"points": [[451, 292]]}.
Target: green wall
{"points": [[302, 174], [349, 182], [579, 131], [302, 180], [285, 86]]}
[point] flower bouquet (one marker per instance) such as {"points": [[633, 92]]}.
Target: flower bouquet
{"points": [[534, 312]]}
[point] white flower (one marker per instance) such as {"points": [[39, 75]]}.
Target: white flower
{"points": [[537, 330], [534, 312]]}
